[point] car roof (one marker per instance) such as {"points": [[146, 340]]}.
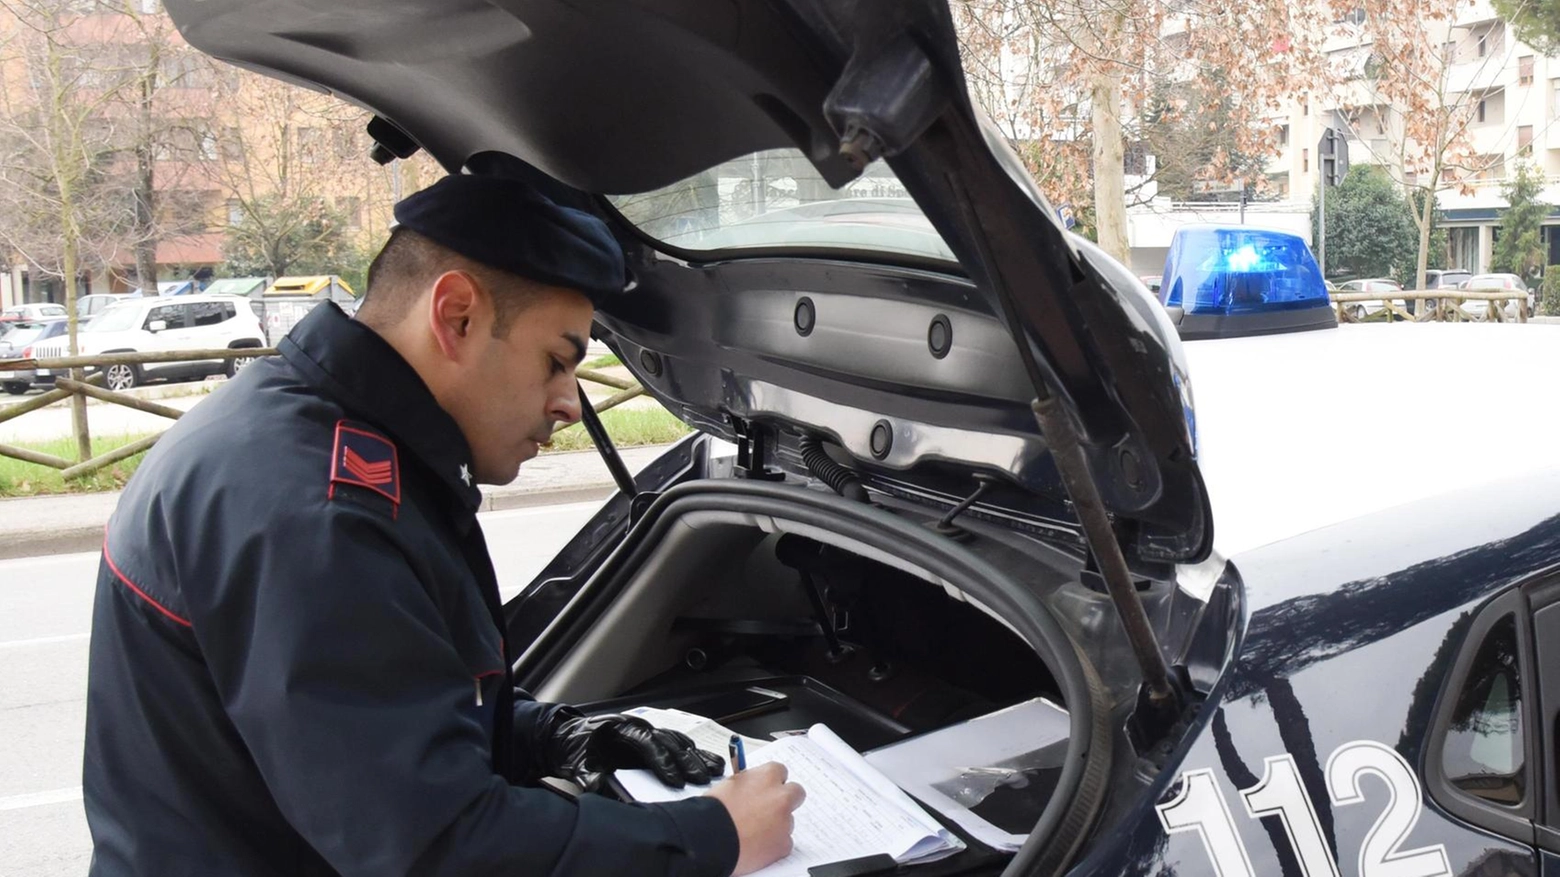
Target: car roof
{"points": [[1287, 444]]}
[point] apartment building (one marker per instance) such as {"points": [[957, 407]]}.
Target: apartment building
{"points": [[1508, 92], [223, 139]]}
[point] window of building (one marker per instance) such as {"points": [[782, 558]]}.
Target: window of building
{"points": [[232, 144], [1305, 161], [1490, 166], [1525, 70], [184, 211], [1481, 45], [310, 141], [1524, 137], [1485, 752], [1480, 111], [235, 211], [1305, 107], [344, 141], [1449, 52], [1283, 135]]}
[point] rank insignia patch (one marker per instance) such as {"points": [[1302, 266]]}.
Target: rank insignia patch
{"points": [[365, 459]]}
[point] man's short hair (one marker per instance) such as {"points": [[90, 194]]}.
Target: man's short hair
{"points": [[409, 263]]}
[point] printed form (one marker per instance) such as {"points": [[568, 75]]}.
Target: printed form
{"points": [[851, 810]]}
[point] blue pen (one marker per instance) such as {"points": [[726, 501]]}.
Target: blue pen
{"points": [[738, 755]]}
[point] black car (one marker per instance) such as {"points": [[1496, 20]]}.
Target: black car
{"points": [[965, 470]]}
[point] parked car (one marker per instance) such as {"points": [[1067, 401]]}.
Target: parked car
{"points": [[18, 344], [947, 467], [1446, 278], [92, 305], [144, 325], [1479, 310], [1362, 309], [34, 311]]}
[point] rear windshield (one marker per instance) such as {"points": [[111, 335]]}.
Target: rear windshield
{"points": [[776, 200], [24, 335]]}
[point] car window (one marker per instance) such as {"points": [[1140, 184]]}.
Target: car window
{"points": [[54, 311], [173, 315], [1484, 751], [228, 311], [209, 313], [777, 200], [25, 335], [114, 319]]}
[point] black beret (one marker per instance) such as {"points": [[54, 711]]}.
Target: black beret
{"points": [[507, 224]]}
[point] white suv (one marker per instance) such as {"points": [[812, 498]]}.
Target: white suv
{"points": [[147, 325]]}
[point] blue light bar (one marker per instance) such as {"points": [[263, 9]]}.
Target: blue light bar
{"points": [[1221, 282]]}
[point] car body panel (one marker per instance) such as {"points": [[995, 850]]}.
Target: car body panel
{"points": [[1303, 411], [1344, 647]]}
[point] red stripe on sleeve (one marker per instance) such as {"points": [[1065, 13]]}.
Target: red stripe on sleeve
{"points": [[138, 592]]}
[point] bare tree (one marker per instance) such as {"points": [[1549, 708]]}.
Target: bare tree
{"points": [[293, 167], [1059, 75], [60, 213], [1413, 98]]}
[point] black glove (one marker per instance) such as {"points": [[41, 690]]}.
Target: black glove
{"points": [[582, 745]]}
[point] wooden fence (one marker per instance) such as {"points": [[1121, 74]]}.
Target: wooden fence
{"points": [[87, 376], [1445, 305]]}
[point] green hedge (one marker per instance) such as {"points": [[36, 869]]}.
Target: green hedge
{"points": [[1549, 302]]}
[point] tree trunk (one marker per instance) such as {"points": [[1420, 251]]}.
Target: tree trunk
{"points": [[78, 402], [1425, 216], [144, 231], [1110, 191]]}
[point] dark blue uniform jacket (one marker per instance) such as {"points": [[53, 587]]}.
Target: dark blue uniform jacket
{"points": [[296, 666]]}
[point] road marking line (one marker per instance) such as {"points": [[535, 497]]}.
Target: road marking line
{"points": [[44, 640], [40, 799]]}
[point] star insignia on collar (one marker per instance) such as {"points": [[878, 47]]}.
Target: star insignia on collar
{"points": [[465, 474]]}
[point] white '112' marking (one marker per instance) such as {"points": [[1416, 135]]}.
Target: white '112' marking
{"points": [[1201, 807]]}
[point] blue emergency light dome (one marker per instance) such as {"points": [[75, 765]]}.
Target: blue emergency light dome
{"points": [[1222, 282]]}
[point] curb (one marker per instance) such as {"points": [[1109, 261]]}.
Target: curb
{"points": [[73, 540], [519, 499]]}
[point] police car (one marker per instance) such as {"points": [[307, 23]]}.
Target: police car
{"points": [[975, 462]]}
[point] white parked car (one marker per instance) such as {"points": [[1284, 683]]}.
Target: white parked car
{"points": [[35, 311], [1480, 310], [194, 322], [1362, 309]]}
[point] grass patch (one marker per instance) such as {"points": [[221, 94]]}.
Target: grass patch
{"points": [[607, 361], [628, 427], [20, 478]]}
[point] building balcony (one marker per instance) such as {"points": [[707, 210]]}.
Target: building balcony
{"points": [[1480, 74]]}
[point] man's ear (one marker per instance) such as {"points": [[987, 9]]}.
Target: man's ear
{"points": [[454, 309]]}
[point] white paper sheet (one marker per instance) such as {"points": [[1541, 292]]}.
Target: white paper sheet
{"points": [[851, 809]]}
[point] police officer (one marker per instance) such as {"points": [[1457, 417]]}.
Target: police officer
{"points": [[297, 664]]}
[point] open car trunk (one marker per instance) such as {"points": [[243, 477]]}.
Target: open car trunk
{"points": [[726, 584]]}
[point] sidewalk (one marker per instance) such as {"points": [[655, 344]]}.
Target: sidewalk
{"points": [[67, 523]]}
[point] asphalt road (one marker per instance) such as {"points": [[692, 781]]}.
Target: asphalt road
{"points": [[45, 616]]}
